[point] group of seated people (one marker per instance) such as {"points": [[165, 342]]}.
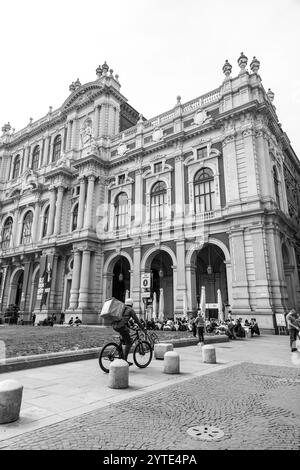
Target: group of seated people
{"points": [[234, 329], [75, 322]]}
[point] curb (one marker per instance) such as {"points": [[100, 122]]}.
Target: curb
{"points": [[42, 360]]}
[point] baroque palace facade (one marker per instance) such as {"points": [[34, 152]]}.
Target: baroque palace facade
{"points": [[94, 199]]}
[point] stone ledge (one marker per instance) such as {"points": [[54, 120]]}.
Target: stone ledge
{"points": [[41, 360]]}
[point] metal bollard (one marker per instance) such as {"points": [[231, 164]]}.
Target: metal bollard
{"points": [[118, 374]]}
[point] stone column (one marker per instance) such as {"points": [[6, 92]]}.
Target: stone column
{"points": [[69, 136], [88, 223], [52, 293], [230, 171], [278, 285], [81, 204], [75, 280], [46, 151], [191, 288], [26, 158], [135, 288], [138, 198], [261, 275], [264, 166], [96, 122], [240, 288], [35, 224], [60, 193], [249, 145], [84, 280], [181, 281], [51, 212], [27, 266], [73, 138], [179, 186]]}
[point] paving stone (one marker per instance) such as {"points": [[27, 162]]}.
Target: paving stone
{"points": [[247, 402]]}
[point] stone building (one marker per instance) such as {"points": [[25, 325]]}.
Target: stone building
{"points": [[96, 201]]}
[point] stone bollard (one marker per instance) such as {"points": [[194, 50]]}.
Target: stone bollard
{"points": [[161, 348], [118, 374], [10, 400], [171, 363], [209, 354]]}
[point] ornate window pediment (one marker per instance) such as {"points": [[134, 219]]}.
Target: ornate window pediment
{"points": [[158, 166], [122, 179], [83, 95]]}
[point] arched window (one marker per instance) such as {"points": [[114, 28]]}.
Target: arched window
{"points": [[56, 148], [276, 185], [121, 210], [158, 201], [26, 229], [16, 169], [35, 158], [75, 217], [45, 221], [6, 233], [204, 190]]}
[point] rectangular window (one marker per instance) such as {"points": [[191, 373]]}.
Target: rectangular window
{"points": [[202, 153], [121, 179], [157, 167]]}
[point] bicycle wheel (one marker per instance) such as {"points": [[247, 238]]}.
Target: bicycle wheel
{"points": [[107, 354], [142, 354]]}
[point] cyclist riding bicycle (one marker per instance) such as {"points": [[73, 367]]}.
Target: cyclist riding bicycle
{"points": [[121, 326]]}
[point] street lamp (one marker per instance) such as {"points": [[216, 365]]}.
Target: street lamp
{"points": [[209, 267]]}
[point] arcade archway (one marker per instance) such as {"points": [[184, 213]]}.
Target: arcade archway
{"points": [[162, 278], [211, 272], [16, 288], [121, 278]]}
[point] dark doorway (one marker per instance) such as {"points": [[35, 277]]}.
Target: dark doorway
{"points": [[162, 278], [121, 279], [211, 273], [19, 289]]}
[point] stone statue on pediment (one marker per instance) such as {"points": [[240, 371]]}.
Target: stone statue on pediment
{"points": [[86, 134]]}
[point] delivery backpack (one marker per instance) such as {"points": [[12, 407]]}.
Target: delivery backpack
{"points": [[112, 310]]}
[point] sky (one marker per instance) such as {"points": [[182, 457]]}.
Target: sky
{"points": [[159, 48]]}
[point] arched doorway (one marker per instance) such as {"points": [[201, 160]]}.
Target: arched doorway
{"points": [[162, 278], [211, 273], [121, 278], [16, 288]]}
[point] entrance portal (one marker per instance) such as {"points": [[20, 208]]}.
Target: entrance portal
{"points": [[121, 279], [162, 278], [211, 273], [16, 288]]}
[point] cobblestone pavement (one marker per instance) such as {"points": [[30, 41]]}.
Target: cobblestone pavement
{"points": [[256, 406]]}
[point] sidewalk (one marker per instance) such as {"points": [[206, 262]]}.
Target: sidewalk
{"points": [[58, 392]]}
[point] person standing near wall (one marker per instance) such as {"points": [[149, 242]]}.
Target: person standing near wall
{"points": [[293, 328], [200, 324]]}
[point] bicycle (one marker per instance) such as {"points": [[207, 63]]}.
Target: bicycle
{"points": [[142, 352], [151, 337]]}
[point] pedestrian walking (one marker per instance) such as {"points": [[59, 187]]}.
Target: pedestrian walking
{"points": [[292, 320], [200, 324]]}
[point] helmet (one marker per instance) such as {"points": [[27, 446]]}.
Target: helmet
{"points": [[129, 302]]}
